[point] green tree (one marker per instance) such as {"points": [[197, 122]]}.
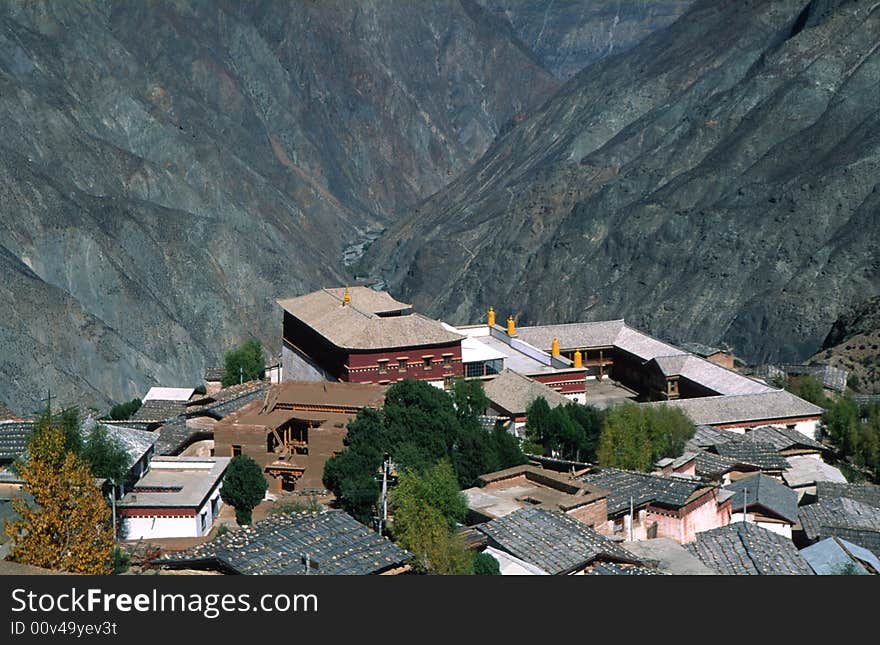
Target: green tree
{"points": [[569, 431], [243, 487], [418, 426], [106, 456], [809, 389], [426, 507], [635, 436], [123, 411], [486, 565], [245, 363]]}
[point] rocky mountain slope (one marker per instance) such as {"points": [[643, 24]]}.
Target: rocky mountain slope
{"points": [[853, 344], [717, 183], [169, 168], [568, 35]]}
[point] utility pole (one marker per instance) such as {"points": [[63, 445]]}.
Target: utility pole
{"points": [[240, 374], [113, 504], [383, 512], [745, 503], [48, 400]]}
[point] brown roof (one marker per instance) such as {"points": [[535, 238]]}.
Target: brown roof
{"points": [[514, 392], [369, 321], [319, 401]]}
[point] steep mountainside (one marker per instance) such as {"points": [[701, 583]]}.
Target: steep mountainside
{"points": [[716, 183], [168, 168], [854, 345], [568, 35]]}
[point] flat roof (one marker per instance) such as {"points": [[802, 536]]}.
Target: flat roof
{"points": [[169, 394], [188, 481]]}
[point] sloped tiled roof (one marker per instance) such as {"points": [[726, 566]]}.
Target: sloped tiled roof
{"points": [[642, 488], [784, 438], [743, 408], [572, 335], [845, 518], [135, 442], [158, 411], [712, 466], [807, 470], [13, 439], [514, 392], [767, 493], [336, 544], [615, 569], [753, 452], [706, 436], [743, 548], [834, 555], [551, 540], [360, 325], [227, 400], [865, 493]]}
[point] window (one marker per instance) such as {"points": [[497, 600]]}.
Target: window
{"points": [[618, 524], [204, 516], [401, 364], [236, 451], [383, 366], [426, 362], [447, 361]]}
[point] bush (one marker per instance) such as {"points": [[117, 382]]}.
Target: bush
{"points": [[486, 565], [121, 560], [635, 436], [123, 411]]}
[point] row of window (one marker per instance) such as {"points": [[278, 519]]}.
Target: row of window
{"points": [[403, 363]]}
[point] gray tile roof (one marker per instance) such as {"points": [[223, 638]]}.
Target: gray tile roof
{"points": [[806, 470], [743, 408], [766, 493], [227, 400], [832, 556], [865, 493], [135, 442], [614, 569], [832, 378], [336, 544], [842, 517], [712, 466], [758, 453], [13, 439], [572, 335], [158, 411], [706, 436], [359, 324], [700, 349], [514, 392], [784, 438], [175, 436], [742, 548], [551, 540], [643, 488]]}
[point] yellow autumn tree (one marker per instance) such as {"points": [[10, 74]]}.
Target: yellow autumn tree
{"points": [[69, 528]]}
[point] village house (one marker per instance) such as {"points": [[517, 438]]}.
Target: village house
{"points": [[643, 506], [505, 491], [360, 335], [177, 497], [294, 429], [805, 473], [746, 549], [841, 517], [551, 541], [764, 501], [715, 355], [510, 394], [325, 543], [668, 556], [835, 556]]}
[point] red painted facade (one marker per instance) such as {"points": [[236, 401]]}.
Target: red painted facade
{"points": [[568, 382], [425, 363]]}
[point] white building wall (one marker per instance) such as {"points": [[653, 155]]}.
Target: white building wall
{"points": [[776, 527], [146, 528]]}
